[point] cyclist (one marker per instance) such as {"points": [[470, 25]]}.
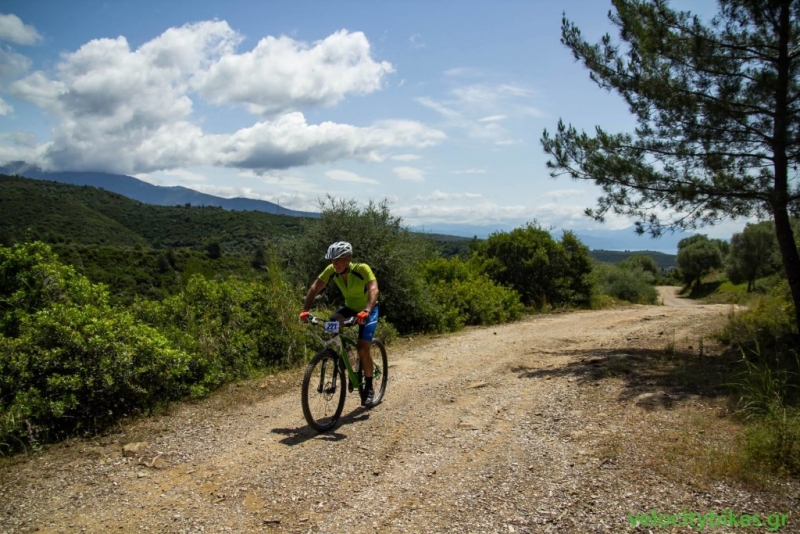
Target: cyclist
{"points": [[360, 289]]}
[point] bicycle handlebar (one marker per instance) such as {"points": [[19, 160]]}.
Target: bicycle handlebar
{"points": [[313, 319]]}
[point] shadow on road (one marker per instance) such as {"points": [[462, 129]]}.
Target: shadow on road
{"points": [[652, 378], [296, 436]]}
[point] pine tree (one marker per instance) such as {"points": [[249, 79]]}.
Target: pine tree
{"points": [[718, 112]]}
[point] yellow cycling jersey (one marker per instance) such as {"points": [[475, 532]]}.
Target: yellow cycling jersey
{"points": [[355, 289]]}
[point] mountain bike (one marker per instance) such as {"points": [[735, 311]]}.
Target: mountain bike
{"points": [[323, 391]]}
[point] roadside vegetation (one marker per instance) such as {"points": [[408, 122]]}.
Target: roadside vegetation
{"points": [[93, 334]]}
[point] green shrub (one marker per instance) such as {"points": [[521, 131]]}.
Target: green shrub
{"points": [[768, 322], [467, 297], [32, 278], [81, 369], [630, 284], [542, 271], [68, 360], [230, 327]]}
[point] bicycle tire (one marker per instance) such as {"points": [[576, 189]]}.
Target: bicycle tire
{"points": [[381, 372], [323, 391]]}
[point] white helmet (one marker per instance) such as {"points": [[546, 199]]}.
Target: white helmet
{"points": [[338, 250]]}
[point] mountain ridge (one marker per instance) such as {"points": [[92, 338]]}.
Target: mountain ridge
{"points": [[170, 196], [147, 193]]}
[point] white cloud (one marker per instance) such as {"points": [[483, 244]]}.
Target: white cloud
{"points": [[406, 157], [347, 176], [573, 216], [440, 195], [479, 214], [409, 173], [516, 91], [131, 111], [289, 141], [20, 138], [470, 171], [478, 109], [13, 30], [19, 146], [439, 108], [12, 65], [417, 41], [460, 72], [282, 74], [280, 179], [493, 118], [5, 107]]}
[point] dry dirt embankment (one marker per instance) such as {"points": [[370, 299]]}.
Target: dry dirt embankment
{"points": [[558, 423]]}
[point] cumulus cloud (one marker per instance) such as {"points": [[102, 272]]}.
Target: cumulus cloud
{"points": [[5, 107], [280, 74], [12, 65], [13, 30], [347, 176], [128, 110], [289, 141], [409, 173]]}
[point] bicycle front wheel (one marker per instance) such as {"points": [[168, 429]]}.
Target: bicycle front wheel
{"points": [[323, 391], [380, 374]]}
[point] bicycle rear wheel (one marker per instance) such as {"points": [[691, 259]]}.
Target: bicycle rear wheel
{"points": [[323, 391], [380, 374]]}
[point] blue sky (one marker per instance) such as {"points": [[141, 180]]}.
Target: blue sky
{"points": [[437, 107]]}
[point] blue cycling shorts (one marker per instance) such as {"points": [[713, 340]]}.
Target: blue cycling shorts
{"points": [[365, 331]]}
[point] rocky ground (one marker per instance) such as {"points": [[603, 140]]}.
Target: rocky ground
{"points": [[557, 423]]}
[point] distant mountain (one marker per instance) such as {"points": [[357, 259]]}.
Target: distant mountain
{"points": [[148, 193]]}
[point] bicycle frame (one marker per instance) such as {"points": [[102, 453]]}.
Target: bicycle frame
{"points": [[339, 343]]}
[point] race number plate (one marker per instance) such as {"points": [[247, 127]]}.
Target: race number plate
{"points": [[332, 327]]}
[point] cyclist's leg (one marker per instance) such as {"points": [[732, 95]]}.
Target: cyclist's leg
{"points": [[366, 332]]}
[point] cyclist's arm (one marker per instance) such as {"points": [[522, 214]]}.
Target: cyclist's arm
{"points": [[372, 294], [315, 288]]}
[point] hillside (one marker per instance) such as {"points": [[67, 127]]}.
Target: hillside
{"points": [[147, 193], [62, 213]]}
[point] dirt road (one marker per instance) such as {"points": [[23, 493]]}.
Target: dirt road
{"points": [[557, 423]]}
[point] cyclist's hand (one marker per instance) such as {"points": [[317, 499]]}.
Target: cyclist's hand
{"points": [[362, 317], [304, 317]]}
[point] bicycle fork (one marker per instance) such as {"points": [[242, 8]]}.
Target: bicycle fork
{"points": [[330, 390]]}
